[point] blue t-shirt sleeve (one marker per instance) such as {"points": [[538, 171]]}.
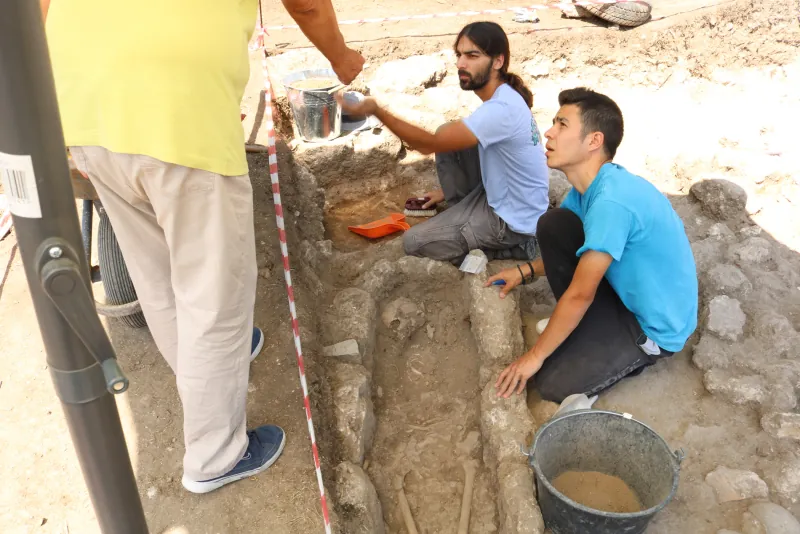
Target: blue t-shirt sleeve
{"points": [[607, 227], [490, 122]]}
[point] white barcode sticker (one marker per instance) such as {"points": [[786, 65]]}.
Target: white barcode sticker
{"points": [[19, 185]]}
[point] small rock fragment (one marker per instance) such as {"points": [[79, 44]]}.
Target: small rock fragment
{"points": [[721, 199], [352, 316], [559, 188], [720, 230], [537, 67], [781, 395], [726, 318], [751, 524], [353, 411], [738, 389], [786, 483], [355, 491], [711, 352], [496, 323], [736, 485], [782, 425], [519, 512], [310, 254], [751, 231], [381, 278], [431, 330], [707, 253], [752, 251], [773, 519], [777, 331], [427, 269], [505, 426], [344, 350], [726, 279], [325, 248]]}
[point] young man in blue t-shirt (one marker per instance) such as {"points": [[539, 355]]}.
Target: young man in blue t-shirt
{"points": [[616, 256], [491, 165]]}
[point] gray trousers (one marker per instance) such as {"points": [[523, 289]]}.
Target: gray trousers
{"points": [[469, 222]]}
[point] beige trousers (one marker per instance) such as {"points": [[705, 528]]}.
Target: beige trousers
{"points": [[188, 242]]}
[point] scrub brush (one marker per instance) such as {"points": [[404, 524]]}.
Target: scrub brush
{"points": [[414, 207]]}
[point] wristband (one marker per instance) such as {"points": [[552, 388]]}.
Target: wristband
{"points": [[533, 273], [521, 274]]}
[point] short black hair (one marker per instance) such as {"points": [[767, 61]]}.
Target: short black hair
{"points": [[598, 114]]}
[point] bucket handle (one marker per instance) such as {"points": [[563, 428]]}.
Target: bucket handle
{"points": [[679, 454]]}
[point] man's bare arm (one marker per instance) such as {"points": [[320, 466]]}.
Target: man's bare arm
{"points": [[569, 312], [317, 20], [45, 7], [448, 137], [573, 303]]}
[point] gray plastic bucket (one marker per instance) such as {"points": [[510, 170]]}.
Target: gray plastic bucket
{"points": [[611, 443], [316, 113]]}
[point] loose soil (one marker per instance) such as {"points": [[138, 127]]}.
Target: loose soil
{"points": [[598, 491], [315, 83]]}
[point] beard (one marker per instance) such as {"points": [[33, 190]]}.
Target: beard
{"points": [[475, 82]]}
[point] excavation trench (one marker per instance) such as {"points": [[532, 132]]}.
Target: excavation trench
{"points": [[408, 345]]}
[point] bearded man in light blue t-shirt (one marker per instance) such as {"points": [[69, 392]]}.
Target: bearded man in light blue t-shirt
{"points": [[491, 166]]}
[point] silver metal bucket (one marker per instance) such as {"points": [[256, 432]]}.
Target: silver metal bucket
{"points": [[316, 112], [611, 443]]}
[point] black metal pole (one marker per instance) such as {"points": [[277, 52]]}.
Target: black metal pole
{"points": [[36, 180]]}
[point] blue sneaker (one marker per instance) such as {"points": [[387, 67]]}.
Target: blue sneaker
{"points": [[258, 343], [266, 445]]}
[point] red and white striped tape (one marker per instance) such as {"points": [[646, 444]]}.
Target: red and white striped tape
{"points": [[5, 217], [564, 5], [276, 197]]}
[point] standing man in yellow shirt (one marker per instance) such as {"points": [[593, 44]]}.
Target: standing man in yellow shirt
{"points": [[149, 94]]}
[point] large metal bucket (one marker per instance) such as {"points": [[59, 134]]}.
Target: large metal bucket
{"points": [[316, 112], [611, 443]]}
